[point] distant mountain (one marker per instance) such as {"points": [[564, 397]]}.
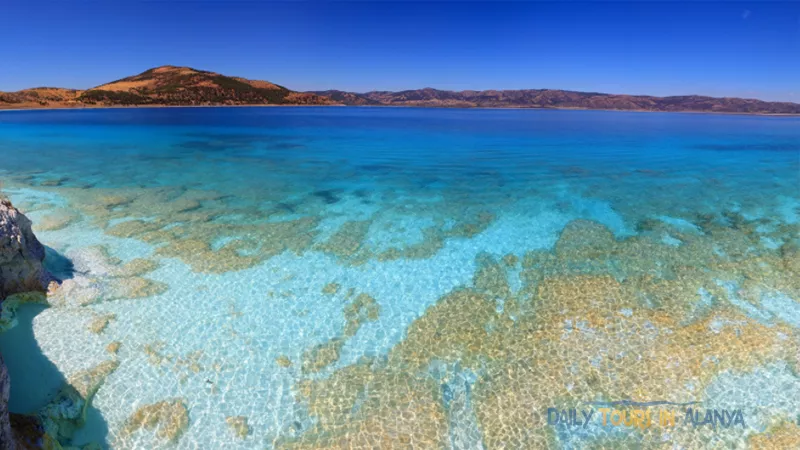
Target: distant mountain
{"points": [[167, 85], [184, 86], [549, 98], [348, 98]]}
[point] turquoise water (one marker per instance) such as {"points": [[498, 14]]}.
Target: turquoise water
{"points": [[345, 276]]}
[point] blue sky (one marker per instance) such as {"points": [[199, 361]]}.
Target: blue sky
{"points": [[749, 49]]}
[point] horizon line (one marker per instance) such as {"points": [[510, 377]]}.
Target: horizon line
{"points": [[363, 92]]}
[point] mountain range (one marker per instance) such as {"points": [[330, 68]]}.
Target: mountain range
{"points": [[184, 86]]}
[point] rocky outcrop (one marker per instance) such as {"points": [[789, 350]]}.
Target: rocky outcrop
{"points": [[21, 254], [6, 439], [21, 270]]}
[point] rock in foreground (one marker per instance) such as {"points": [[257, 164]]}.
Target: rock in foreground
{"points": [[21, 270], [6, 440], [21, 254]]}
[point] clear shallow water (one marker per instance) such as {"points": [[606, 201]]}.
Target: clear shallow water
{"points": [[346, 276]]}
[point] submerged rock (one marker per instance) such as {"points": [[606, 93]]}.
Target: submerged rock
{"points": [[321, 356], [170, 419], [113, 347], [239, 426], [9, 306], [283, 361], [67, 411], [57, 220], [331, 288], [99, 323]]}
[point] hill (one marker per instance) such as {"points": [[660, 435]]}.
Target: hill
{"points": [[348, 98], [185, 86], [549, 98], [39, 97], [169, 86]]}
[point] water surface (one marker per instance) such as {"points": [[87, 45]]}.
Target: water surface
{"points": [[330, 277]]}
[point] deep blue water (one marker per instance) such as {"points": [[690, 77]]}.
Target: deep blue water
{"points": [[450, 145]]}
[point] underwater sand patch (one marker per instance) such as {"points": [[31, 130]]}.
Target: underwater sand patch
{"points": [[99, 323], [331, 288], [347, 240], [100, 277], [510, 260], [169, 418], [597, 318], [56, 220], [321, 356], [181, 222], [239, 426], [362, 309], [135, 287], [113, 347], [784, 435], [135, 268], [184, 366], [283, 361]]}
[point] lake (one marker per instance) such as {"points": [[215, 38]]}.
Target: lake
{"points": [[312, 277]]}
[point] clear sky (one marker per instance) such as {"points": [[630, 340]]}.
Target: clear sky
{"points": [[749, 49]]}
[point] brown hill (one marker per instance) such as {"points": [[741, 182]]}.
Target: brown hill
{"points": [[38, 97], [182, 86], [167, 85], [170, 85]]}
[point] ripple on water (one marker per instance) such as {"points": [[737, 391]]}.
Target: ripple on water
{"points": [[296, 290]]}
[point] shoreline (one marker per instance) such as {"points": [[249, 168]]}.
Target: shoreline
{"points": [[270, 105]]}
